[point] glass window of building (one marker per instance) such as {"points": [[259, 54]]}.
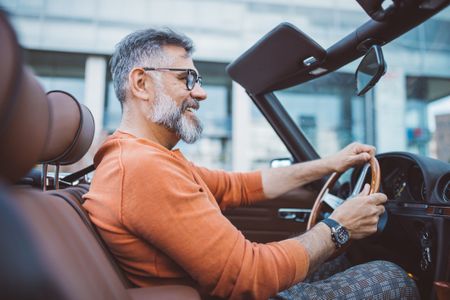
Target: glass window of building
{"points": [[59, 71], [428, 116], [266, 145], [423, 56], [327, 111]]}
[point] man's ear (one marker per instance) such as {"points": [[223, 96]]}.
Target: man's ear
{"points": [[141, 85]]}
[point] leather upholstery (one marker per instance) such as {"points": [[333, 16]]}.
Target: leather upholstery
{"points": [[72, 130], [10, 72], [23, 274], [70, 252], [50, 254], [25, 133], [442, 290], [166, 292], [73, 196], [24, 113]]}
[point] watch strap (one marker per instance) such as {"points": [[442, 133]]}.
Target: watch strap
{"points": [[334, 226], [331, 223]]}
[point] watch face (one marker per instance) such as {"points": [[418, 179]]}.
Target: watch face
{"points": [[341, 235]]}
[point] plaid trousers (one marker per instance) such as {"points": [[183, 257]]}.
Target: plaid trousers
{"points": [[337, 279]]}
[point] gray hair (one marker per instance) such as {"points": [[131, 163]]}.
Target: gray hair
{"points": [[142, 47]]}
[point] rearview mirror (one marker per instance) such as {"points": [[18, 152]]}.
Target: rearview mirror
{"points": [[370, 70]]}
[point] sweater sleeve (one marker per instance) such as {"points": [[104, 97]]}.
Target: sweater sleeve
{"points": [[233, 189], [167, 208]]}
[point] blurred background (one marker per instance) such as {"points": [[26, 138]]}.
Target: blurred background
{"points": [[68, 45]]}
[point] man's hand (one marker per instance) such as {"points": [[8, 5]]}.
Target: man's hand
{"points": [[360, 214], [278, 181], [353, 154]]}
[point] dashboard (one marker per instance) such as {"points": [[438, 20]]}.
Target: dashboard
{"points": [[404, 181], [417, 231], [411, 178]]}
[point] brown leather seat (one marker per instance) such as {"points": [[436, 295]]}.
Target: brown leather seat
{"points": [[72, 130], [52, 252], [70, 135], [19, 135]]}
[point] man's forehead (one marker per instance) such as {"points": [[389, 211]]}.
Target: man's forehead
{"points": [[177, 54]]}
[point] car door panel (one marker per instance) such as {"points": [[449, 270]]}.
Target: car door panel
{"points": [[272, 220]]}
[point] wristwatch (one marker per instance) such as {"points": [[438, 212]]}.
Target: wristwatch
{"points": [[339, 234]]}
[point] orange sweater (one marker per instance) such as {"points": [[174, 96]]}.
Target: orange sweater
{"points": [[161, 217]]}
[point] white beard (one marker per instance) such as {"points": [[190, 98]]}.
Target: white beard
{"points": [[167, 113]]}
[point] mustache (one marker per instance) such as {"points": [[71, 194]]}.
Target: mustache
{"points": [[194, 103]]}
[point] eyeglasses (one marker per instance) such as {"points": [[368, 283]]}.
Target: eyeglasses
{"points": [[191, 76]]}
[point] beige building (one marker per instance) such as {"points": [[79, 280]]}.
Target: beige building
{"points": [[68, 46], [443, 137]]}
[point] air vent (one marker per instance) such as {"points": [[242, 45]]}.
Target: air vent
{"points": [[446, 192]]}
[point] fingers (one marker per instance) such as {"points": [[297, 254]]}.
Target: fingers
{"points": [[360, 215], [364, 148], [362, 157], [353, 154], [358, 148], [381, 209], [365, 191], [378, 198], [369, 149], [375, 211], [357, 153]]}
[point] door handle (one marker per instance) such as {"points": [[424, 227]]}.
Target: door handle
{"points": [[297, 214]]}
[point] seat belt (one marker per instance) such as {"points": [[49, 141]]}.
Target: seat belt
{"points": [[71, 178]]}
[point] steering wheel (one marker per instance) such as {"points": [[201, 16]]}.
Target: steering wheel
{"points": [[333, 201]]}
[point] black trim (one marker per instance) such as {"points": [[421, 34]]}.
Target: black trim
{"points": [[381, 70], [71, 178]]}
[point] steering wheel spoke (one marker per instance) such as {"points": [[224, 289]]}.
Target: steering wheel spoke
{"points": [[334, 201], [360, 181]]}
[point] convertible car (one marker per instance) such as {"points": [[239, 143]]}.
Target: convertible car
{"points": [[51, 250]]}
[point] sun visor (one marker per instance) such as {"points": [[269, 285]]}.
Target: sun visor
{"points": [[281, 53]]}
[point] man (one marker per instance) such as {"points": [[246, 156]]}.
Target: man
{"points": [[161, 215]]}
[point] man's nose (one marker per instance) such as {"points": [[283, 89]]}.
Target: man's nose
{"points": [[198, 93]]}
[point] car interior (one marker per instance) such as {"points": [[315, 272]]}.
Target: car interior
{"points": [[51, 250], [414, 232]]}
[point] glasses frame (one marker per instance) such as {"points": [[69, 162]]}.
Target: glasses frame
{"points": [[192, 77]]}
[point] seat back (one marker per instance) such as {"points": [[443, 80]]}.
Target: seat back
{"points": [[70, 134], [23, 274], [73, 197], [70, 251]]}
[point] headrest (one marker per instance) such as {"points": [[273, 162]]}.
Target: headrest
{"points": [[71, 131], [24, 112]]}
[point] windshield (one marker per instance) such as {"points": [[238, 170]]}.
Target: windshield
{"points": [[408, 110]]}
